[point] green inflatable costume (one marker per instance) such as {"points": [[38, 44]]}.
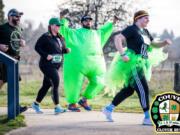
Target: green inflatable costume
{"points": [[85, 60]]}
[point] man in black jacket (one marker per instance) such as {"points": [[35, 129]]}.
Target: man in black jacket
{"points": [[10, 42]]}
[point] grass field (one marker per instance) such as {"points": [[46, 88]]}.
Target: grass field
{"points": [[161, 82], [29, 90]]}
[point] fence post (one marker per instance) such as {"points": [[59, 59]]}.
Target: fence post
{"points": [[17, 88], [13, 84], [177, 77]]}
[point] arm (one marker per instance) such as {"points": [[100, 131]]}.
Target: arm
{"points": [[106, 31], [3, 47], [159, 44], [119, 40], [22, 41], [64, 30], [39, 47], [116, 19]]}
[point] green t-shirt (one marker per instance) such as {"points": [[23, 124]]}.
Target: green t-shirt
{"points": [[11, 36]]}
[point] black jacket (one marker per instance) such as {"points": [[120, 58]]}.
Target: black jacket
{"points": [[49, 44]]}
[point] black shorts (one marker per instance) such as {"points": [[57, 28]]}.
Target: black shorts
{"points": [[3, 72]]}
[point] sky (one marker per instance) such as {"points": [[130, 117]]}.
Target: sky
{"points": [[35, 10], [164, 14]]}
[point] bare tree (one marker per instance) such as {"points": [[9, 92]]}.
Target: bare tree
{"points": [[100, 10], [1, 12], [29, 56]]}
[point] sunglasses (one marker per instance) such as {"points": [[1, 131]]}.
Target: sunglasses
{"points": [[16, 16]]}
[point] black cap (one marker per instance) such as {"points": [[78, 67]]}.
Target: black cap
{"points": [[14, 12], [86, 17]]}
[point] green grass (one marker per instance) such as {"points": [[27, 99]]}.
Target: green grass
{"points": [[161, 82], [28, 92], [8, 125]]}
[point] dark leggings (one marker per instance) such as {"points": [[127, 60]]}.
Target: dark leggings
{"points": [[140, 86], [51, 79]]}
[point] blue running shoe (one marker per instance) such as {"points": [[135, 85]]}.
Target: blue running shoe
{"points": [[147, 122], [36, 108], [84, 104], [73, 108], [108, 114], [58, 110]]}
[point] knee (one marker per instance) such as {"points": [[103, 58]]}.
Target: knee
{"points": [[131, 92], [55, 84]]}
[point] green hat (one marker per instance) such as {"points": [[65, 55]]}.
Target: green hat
{"points": [[55, 21]]}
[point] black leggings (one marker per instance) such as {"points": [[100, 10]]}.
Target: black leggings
{"points": [[51, 79], [140, 86]]}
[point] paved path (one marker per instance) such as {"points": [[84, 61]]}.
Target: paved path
{"points": [[82, 123]]}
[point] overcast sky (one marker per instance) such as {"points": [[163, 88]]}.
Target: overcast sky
{"points": [[164, 14], [35, 10]]}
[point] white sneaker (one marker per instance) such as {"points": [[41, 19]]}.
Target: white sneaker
{"points": [[108, 115], [147, 121]]}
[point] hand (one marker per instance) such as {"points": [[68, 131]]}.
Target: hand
{"points": [[68, 50], [115, 19], [125, 58], [63, 13], [4, 47], [49, 57], [167, 42], [22, 43]]}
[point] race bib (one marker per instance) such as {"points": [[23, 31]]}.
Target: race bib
{"points": [[57, 58]]}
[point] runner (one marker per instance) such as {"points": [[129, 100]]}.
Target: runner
{"points": [[11, 41], [131, 67], [85, 60], [51, 47]]}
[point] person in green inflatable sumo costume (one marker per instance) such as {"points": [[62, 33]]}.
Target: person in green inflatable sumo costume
{"points": [[85, 60]]}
